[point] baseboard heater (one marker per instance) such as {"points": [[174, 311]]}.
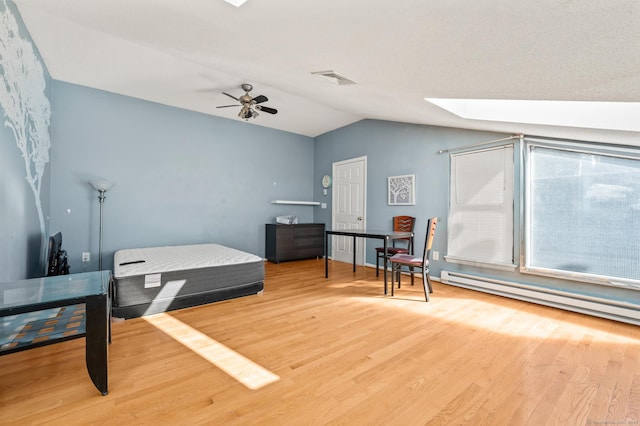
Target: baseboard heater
{"points": [[600, 307]]}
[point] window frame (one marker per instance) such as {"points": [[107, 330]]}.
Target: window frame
{"points": [[530, 143]]}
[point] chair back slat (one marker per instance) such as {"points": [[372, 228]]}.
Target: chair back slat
{"points": [[403, 223], [428, 241]]}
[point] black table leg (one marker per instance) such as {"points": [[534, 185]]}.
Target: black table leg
{"points": [[354, 253], [109, 300], [326, 254], [385, 265], [97, 347]]}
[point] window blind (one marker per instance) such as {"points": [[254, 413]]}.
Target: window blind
{"points": [[480, 225]]}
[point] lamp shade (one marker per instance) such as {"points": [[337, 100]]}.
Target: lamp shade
{"points": [[101, 185]]}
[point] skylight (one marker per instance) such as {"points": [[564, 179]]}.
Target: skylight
{"points": [[590, 115], [236, 3]]}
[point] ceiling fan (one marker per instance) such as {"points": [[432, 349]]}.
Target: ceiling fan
{"points": [[250, 106]]}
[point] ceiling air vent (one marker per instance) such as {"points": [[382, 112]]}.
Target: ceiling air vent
{"points": [[333, 77]]}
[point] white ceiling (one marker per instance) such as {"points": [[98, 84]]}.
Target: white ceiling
{"points": [[185, 53]]}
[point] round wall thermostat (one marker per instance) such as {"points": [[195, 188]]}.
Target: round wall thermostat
{"points": [[326, 181]]}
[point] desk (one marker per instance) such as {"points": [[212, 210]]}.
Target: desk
{"points": [[90, 288], [386, 236]]}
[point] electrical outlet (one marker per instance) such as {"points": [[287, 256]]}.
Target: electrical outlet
{"points": [[436, 255], [86, 257]]}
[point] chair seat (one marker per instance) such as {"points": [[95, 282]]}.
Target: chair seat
{"points": [[408, 259], [392, 250]]}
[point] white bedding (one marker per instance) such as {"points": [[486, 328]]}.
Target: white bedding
{"points": [[176, 258]]}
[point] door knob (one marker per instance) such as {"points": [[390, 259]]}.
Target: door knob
{"points": [[359, 217]]}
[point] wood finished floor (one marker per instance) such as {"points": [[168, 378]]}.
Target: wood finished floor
{"points": [[344, 354]]}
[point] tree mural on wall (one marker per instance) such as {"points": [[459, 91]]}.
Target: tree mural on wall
{"points": [[27, 111]]}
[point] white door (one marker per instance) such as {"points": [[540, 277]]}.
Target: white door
{"points": [[349, 201]]}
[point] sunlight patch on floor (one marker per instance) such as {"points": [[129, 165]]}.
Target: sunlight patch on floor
{"points": [[493, 317], [237, 366]]}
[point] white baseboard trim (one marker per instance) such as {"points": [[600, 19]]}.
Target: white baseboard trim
{"points": [[600, 307]]}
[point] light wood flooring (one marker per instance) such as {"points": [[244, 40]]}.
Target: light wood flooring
{"points": [[337, 351]]}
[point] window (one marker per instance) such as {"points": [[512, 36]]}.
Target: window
{"points": [[582, 213], [480, 226]]}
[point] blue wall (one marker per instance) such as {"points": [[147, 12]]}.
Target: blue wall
{"points": [[180, 177], [21, 235]]}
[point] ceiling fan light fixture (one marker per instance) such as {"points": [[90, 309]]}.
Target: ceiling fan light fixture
{"points": [[333, 77]]}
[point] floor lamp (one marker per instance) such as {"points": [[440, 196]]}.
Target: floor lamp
{"points": [[102, 187]]}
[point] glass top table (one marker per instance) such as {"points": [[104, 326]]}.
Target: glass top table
{"points": [[90, 288], [386, 236]]}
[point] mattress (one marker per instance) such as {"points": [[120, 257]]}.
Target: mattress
{"points": [[158, 279]]}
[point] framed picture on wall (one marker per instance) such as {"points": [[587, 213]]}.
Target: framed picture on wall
{"points": [[401, 190]]}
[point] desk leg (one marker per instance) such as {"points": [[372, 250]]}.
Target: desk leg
{"points": [[326, 255], [354, 253], [97, 348], [109, 303], [411, 242], [385, 266]]}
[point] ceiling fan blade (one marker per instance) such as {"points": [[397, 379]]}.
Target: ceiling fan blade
{"points": [[227, 106], [231, 96], [267, 109], [260, 99]]}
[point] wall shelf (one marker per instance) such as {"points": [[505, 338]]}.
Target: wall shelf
{"points": [[302, 203]]}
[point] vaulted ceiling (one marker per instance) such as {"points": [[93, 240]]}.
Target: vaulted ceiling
{"points": [[186, 53]]}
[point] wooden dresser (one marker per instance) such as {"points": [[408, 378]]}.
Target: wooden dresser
{"points": [[293, 242]]}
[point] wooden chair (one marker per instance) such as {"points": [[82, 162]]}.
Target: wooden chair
{"points": [[412, 262], [400, 224]]}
